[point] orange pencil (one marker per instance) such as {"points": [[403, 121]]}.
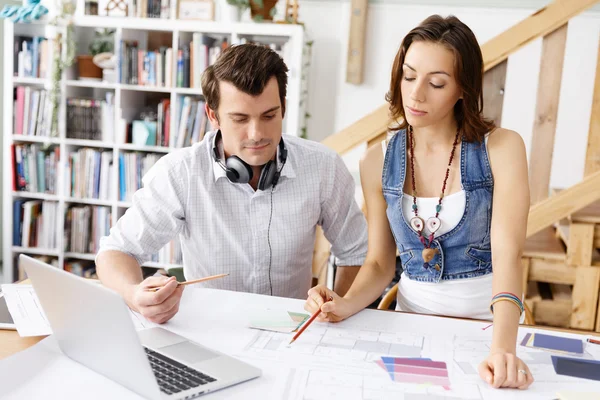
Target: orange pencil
{"points": [[307, 323], [208, 278]]}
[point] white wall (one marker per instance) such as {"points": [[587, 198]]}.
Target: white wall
{"points": [[335, 104]]}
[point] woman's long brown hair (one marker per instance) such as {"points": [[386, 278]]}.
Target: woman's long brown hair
{"points": [[468, 65]]}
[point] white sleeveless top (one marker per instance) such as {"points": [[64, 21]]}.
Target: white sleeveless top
{"points": [[468, 298]]}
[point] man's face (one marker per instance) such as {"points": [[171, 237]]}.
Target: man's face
{"points": [[251, 126]]}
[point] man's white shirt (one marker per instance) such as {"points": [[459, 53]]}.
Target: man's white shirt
{"points": [[223, 227]]}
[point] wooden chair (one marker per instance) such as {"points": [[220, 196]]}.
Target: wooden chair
{"points": [[390, 296]]}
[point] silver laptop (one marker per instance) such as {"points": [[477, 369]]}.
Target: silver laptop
{"points": [[94, 327]]}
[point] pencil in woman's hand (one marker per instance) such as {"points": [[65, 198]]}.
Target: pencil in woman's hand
{"points": [[307, 323]]}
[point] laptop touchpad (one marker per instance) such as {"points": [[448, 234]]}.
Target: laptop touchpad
{"points": [[188, 352]]}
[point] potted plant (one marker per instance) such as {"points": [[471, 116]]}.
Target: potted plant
{"points": [[103, 42], [262, 10], [234, 8]]}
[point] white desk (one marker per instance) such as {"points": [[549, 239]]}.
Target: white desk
{"points": [[328, 361]]}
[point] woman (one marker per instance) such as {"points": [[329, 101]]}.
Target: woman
{"points": [[450, 192]]}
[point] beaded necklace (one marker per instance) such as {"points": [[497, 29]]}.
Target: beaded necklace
{"points": [[434, 223]]}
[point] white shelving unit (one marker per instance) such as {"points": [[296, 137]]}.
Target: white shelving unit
{"points": [[128, 29]]}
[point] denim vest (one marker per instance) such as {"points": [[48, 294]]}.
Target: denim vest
{"points": [[465, 251]]}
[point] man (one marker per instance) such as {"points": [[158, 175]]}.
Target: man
{"points": [[245, 201]]}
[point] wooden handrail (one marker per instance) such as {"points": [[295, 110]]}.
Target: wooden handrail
{"points": [[496, 50], [563, 204], [364, 130], [538, 24]]}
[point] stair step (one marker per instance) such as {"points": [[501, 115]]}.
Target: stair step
{"points": [[562, 230], [589, 214], [545, 244]]}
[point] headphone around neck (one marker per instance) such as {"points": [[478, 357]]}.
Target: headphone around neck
{"points": [[238, 171]]}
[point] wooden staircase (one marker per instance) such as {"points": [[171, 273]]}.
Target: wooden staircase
{"points": [[561, 262]]}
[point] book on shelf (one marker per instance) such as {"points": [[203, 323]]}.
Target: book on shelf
{"points": [[88, 174], [91, 119], [192, 122], [34, 169], [34, 223], [32, 112], [132, 167], [84, 226], [30, 57], [144, 67]]}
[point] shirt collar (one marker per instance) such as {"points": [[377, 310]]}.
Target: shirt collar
{"points": [[218, 172]]}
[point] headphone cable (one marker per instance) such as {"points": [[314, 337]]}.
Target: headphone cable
{"points": [[269, 241]]}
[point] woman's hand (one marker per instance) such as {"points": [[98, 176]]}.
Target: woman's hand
{"points": [[333, 307], [505, 370]]}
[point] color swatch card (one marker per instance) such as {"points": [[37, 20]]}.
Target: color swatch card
{"points": [[416, 370], [557, 344], [577, 367], [278, 321]]}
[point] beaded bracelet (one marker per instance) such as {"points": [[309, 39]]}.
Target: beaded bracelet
{"points": [[505, 296]]}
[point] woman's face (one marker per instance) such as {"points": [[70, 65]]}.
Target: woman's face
{"points": [[429, 87]]}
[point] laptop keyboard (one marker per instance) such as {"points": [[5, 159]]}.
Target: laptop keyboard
{"points": [[174, 377]]}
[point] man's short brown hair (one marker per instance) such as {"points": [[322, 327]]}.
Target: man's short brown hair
{"points": [[249, 67]]}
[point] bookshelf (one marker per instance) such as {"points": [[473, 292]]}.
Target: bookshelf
{"points": [[67, 199]]}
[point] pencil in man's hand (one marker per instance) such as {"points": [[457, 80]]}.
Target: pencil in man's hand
{"points": [[208, 278], [307, 323]]}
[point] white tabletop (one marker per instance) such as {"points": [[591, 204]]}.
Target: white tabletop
{"points": [[328, 361]]}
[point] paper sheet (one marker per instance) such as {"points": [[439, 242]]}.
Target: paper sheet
{"points": [[26, 310], [29, 317]]}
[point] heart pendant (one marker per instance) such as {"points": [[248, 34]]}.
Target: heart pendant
{"points": [[433, 224], [417, 223]]}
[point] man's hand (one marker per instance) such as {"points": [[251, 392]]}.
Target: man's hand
{"points": [[159, 306]]}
